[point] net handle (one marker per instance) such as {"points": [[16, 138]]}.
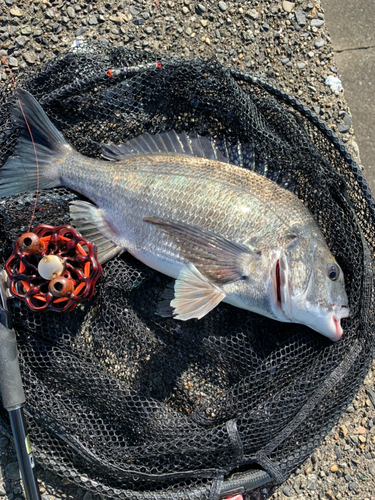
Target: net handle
{"points": [[244, 481]]}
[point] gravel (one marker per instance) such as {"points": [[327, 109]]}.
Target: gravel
{"points": [[287, 491], [287, 43], [300, 17], [223, 6], [317, 23], [288, 6], [319, 43]]}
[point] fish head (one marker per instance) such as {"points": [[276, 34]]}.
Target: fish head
{"points": [[310, 286]]}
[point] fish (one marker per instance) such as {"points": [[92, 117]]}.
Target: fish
{"points": [[173, 201]]}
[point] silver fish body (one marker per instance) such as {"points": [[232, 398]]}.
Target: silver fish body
{"points": [[223, 232]]}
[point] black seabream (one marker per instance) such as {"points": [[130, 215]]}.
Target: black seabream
{"points": [[223, 232]]}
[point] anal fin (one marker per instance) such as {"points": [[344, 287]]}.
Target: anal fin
{"points": [[89, 221], [195, 295], [164, 308]]}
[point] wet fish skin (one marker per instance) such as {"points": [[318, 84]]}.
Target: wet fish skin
{"points": [[224, 233]]}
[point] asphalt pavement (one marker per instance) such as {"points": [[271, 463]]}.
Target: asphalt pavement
{"points": [[351, 26]]}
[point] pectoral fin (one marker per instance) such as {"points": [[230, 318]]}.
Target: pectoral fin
{"points": [[221, 260], [194, 295]]}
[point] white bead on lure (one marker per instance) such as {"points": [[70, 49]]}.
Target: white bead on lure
{"points": [[173, 201]]}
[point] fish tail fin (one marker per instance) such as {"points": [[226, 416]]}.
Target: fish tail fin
{"points": [[27, 165]]}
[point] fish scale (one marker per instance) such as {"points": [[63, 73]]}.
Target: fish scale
{"points": [[134, 183]]}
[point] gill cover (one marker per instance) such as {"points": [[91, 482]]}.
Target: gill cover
{"points": [[309, 294]]}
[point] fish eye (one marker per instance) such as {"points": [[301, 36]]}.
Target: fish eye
{"points": [[333, 271]]}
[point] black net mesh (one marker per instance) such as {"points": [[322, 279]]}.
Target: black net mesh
{"points": [[136, 406]]}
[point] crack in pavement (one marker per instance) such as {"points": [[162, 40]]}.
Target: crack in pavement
{"points": [[355, 48]]}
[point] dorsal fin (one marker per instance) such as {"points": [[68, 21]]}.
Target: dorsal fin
{"points": [[192, 144]]}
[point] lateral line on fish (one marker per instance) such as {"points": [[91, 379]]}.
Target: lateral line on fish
{"points": [[196, 175], [193, 175]]}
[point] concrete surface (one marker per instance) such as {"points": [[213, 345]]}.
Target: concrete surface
{"points": [[351, 26]]}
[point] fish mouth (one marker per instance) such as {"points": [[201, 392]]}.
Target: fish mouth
{"points": [[329, 325], [326, 323], [338, 328], [339, 312]]}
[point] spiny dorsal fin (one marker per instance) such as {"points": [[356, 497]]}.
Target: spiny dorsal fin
{"points": [[169, 142], [191, 144]]}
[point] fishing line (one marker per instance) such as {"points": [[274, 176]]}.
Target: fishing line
{"points": [[4, 61]]}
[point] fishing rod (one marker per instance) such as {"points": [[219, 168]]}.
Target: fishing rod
{"points": [[13, 396]]}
